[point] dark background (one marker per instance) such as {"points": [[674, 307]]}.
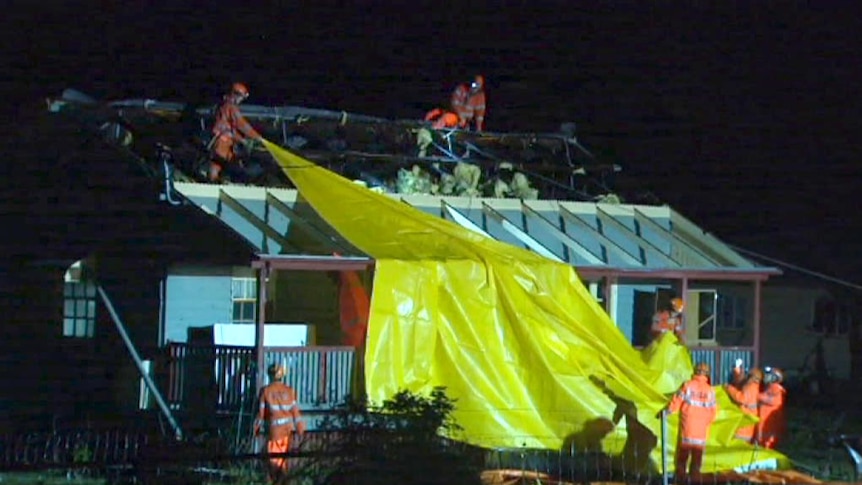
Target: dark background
{"points": [[745, 119]]}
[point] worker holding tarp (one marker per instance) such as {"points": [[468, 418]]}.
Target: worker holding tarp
{"points": [[454, 308], [771, 409], [745, 392], [669, 320], [230, 128], [697, 406]]}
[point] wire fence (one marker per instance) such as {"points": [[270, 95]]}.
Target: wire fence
{"points": [[598, 453]]}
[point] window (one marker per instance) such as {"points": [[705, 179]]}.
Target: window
{"points": [[732, 312], [831, 318], [244, 297], [702, 307], [79, 309]]}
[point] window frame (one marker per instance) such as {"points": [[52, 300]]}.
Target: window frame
{"points": [[243, 294], [80, 322]]}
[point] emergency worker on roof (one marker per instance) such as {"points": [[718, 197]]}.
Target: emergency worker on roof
{"points": [[230, 128], [669, 320], [697, 406], [442, 119], [745, 391], [469, 103], [770, 429], [278, 418]]}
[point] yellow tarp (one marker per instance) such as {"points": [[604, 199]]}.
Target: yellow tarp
{"points": [[516, 338]]}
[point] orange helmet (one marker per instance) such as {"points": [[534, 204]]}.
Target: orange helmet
{"points": [[478, 82], [240, 89], [756, 374], [702, 369], [677, 304]]}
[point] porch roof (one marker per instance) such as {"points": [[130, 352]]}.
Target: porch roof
{"points": [[599, 239]]}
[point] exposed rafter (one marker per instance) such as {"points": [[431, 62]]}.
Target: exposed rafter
{"points": [[257, 222], [674, 241], [571, 243], [519, 233]]}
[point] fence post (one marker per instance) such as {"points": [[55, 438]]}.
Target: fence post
{"points": [[664, 432]]}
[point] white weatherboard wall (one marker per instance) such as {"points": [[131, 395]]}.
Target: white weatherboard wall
{"points": [[196, 297]]}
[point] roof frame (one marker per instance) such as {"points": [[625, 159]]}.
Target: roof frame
{"points": [[257, 222], [604, 240], [672, 238], [681, 224], [520, 234], [462, 220], [570, 242], [306, 225], [648, 247]]}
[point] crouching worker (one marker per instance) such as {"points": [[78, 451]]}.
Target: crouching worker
{"points": [[697, 406], [278, 418]]}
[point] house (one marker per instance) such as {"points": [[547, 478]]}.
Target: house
{"points": [[102, 208], [810, 328]]}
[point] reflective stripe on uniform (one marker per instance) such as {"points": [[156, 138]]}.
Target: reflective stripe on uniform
{"points": [[693, 441], [689, 399], [281, 407]]}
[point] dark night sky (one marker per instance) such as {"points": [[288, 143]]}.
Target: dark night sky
{"points": [[746, 121]]}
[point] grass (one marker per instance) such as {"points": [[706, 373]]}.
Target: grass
{"points": [[810, 424]]}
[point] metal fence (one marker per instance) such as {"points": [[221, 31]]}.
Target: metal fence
{"points": [[224, 376], [721, 360]]}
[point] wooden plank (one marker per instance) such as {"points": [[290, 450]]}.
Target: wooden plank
{"points": [[604, 240], [632, 236], [564, 238]]}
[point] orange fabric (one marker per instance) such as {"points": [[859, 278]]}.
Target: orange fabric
{"points": [[771, 413], [442, 119], [665, 321], [278, 465], [433, 114], [746, 397], [279, 413], [697, 406], [354, 308]]}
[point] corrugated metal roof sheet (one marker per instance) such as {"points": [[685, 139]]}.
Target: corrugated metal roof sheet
{"points": [[584, 234]]}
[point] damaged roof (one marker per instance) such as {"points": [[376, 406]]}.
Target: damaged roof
{"points": [[374, 150]]}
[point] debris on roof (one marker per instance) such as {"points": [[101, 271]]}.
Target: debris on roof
{"points": [[394, 156]]}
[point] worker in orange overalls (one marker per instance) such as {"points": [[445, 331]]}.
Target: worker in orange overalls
{"points": [[771, 410], [697, 406], [469, 103], [442, 119], [745, 393], [669, 320], [278, 418], [230, 128]]}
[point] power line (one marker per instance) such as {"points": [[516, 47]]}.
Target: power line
{"points": [[799, 269]]}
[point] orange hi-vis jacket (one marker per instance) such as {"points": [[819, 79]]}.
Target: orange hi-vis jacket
{"points": [[746, 397], [442, 119], [229, 128], [665, 321], [279, 412], [771, 413], [697, 406], [469, 106]]}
